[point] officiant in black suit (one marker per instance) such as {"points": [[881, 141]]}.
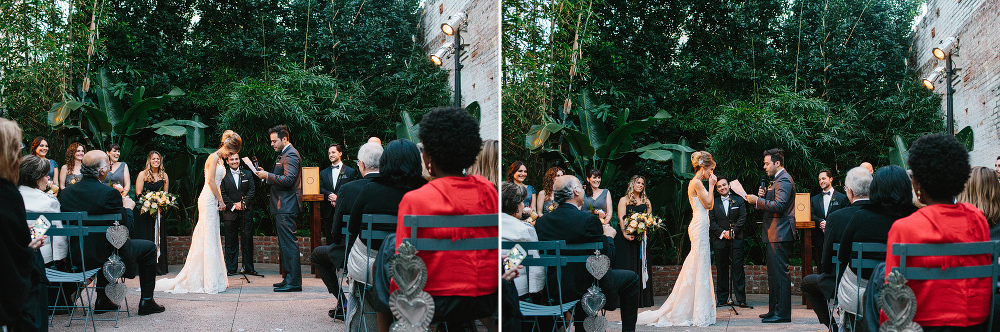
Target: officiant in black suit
{"points": [[568, 222], [96, 198], [286, 203], [822, 205], [777, 201], [237, 190], [331, 179], [726, 222]]}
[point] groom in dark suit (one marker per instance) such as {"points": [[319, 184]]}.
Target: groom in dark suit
{"points": [[822, 205], [237, 190], [94, 197], [568, 223], [777, 232], [286, 202], [331, 179], [726, 221]]}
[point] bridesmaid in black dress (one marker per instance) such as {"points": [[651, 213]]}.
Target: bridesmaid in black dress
{"points": [[632, 255], [152, 178]]}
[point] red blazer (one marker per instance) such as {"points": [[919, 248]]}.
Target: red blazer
{"points": [[455, 273], [959, 302]]}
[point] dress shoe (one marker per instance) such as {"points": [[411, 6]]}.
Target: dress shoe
{"points": [[742, 305], [105, 306], [776, 319], [767, 315], [148, 306], [251, 272], [231, 273], [280, 284], [288, 288]]}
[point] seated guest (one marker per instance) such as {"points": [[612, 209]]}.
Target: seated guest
{"points": [[329, 258], [33, 180], [940, 167], [568, 222], [983, 191], [463, 283], [513, 229], [22, 275], [91, 196], [400, 173], [819, 287]]}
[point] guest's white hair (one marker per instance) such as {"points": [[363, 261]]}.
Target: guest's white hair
{"points": [[369, 154], [859, 180]]}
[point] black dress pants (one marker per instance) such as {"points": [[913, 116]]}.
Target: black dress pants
{"points": [[817, 293], [729, 260], [239, 235], [288, 244], [778, 280], [327, 259], [138, 256]]}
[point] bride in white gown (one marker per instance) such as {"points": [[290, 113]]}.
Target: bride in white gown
{"points": [[205, 269], [692, 301]]}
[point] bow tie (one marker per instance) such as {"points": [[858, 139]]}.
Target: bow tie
{"points": [[827, 193], [335, 166]]}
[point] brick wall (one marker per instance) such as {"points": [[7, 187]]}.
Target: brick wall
{"points": [[481, 58], [265, 249], [756, 279], [977, 84]]}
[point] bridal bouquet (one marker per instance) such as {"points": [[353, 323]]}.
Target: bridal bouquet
{"points": [[155, 201], [639, 223]]}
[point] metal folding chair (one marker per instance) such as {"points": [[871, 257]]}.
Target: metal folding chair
{"points": [[586, 250], [860, 249], [104, 219], [368, 234], [549, 256], [84, 293]]}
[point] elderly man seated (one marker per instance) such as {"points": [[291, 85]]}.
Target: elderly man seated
{"points": [[91, 196]]}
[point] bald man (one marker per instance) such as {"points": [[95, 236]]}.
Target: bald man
{"points": [[96, 198]]}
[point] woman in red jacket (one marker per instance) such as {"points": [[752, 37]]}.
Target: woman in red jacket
{"points": [[940, 167], [463, 283]]}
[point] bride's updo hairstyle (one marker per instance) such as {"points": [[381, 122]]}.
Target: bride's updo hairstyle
{"points": [[701, 159], [231, 141]]}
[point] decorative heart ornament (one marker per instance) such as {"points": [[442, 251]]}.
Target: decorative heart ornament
{"points": [[416, 311], [116, 292], [114, 268], [598, 265], [593, 301], [117, 235], [899, 304], [595, 324], [408, 271]]}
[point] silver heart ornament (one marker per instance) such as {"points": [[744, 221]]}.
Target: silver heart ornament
{"points": [[593, 301], [117, 235], [115, 292], [899, 304], [114, 268], [410, 274], [414, 311], [401, 326], [598, 265], [595, 324]]}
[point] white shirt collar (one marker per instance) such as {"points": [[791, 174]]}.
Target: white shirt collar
{"points": [[578, 207], [286, 147], [778, 172]]}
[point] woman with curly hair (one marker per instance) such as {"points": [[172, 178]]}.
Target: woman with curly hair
{"points": [[152, 178], [631, 255], [516, 174], [40, 149], [70, 171], [940, 167], [463, 283], [545, 204], [983, 191]]}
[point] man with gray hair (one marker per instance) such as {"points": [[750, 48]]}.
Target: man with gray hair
{"points": [[568, 223], [327, 259], [820, 287], [96, 198]]}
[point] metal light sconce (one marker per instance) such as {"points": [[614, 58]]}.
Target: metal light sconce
{"points": [[948, 47], [935, 75], [453, 27]]}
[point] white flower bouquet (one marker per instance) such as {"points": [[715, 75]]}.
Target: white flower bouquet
{"points": [[156, 201], [639, 223]]}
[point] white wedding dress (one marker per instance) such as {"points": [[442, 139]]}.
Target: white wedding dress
{"points": [[204, 269], [692, 301]]}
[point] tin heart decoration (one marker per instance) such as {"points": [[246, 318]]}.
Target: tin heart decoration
{"points": [[598, 265], [899, 304], [114, 268], [593, 301], [116, 292], [408, 271], [414, 312], [595, 324], [117, 235]]}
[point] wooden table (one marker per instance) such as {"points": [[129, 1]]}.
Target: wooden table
{"points": [[316, 226], [807, 228]]}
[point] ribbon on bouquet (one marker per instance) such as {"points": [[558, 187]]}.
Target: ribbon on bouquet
{"points": [[642, 257], [156, 235]]}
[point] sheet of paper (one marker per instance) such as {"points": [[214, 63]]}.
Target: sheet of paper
{"points": [[246, 160], [737, 188]]}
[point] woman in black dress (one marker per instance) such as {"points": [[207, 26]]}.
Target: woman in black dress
{"points": [[632, 255], [152, 178]]}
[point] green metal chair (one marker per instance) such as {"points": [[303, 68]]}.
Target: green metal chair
{"points": [[860, 250], [84, 294], [549, 256]]}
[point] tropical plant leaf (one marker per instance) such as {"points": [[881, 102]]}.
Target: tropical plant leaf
{"points": [[682, 159], [622, 137], [579, 142], [175, 131], [191, 123], [899, 153], [475, 110], [537, 135], [166, 122], [137, 95], [622, 118], [107, 102], [657, 155], [589, 125], [967, 138], [60, 111], [195, 137], [406, 129]]}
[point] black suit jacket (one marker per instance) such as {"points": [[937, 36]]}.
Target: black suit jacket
{"points": [[232, 194], [346, 196], [286, 182], [836, 225], [94, 197], [377, 197], [345, 174], [719, 221], [568, 223], [778, 205], [838, 201]]}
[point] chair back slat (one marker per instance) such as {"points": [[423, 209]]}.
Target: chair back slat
{"points": [[460, 221], [545, 248], [472, 220], [68, 230], [481, 243], [958, 272], [67, 216], [103, 217], [943, 249], [373, 234]]}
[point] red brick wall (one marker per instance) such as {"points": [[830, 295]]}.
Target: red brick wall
{"points": [[265, 248], [756, 279]]}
